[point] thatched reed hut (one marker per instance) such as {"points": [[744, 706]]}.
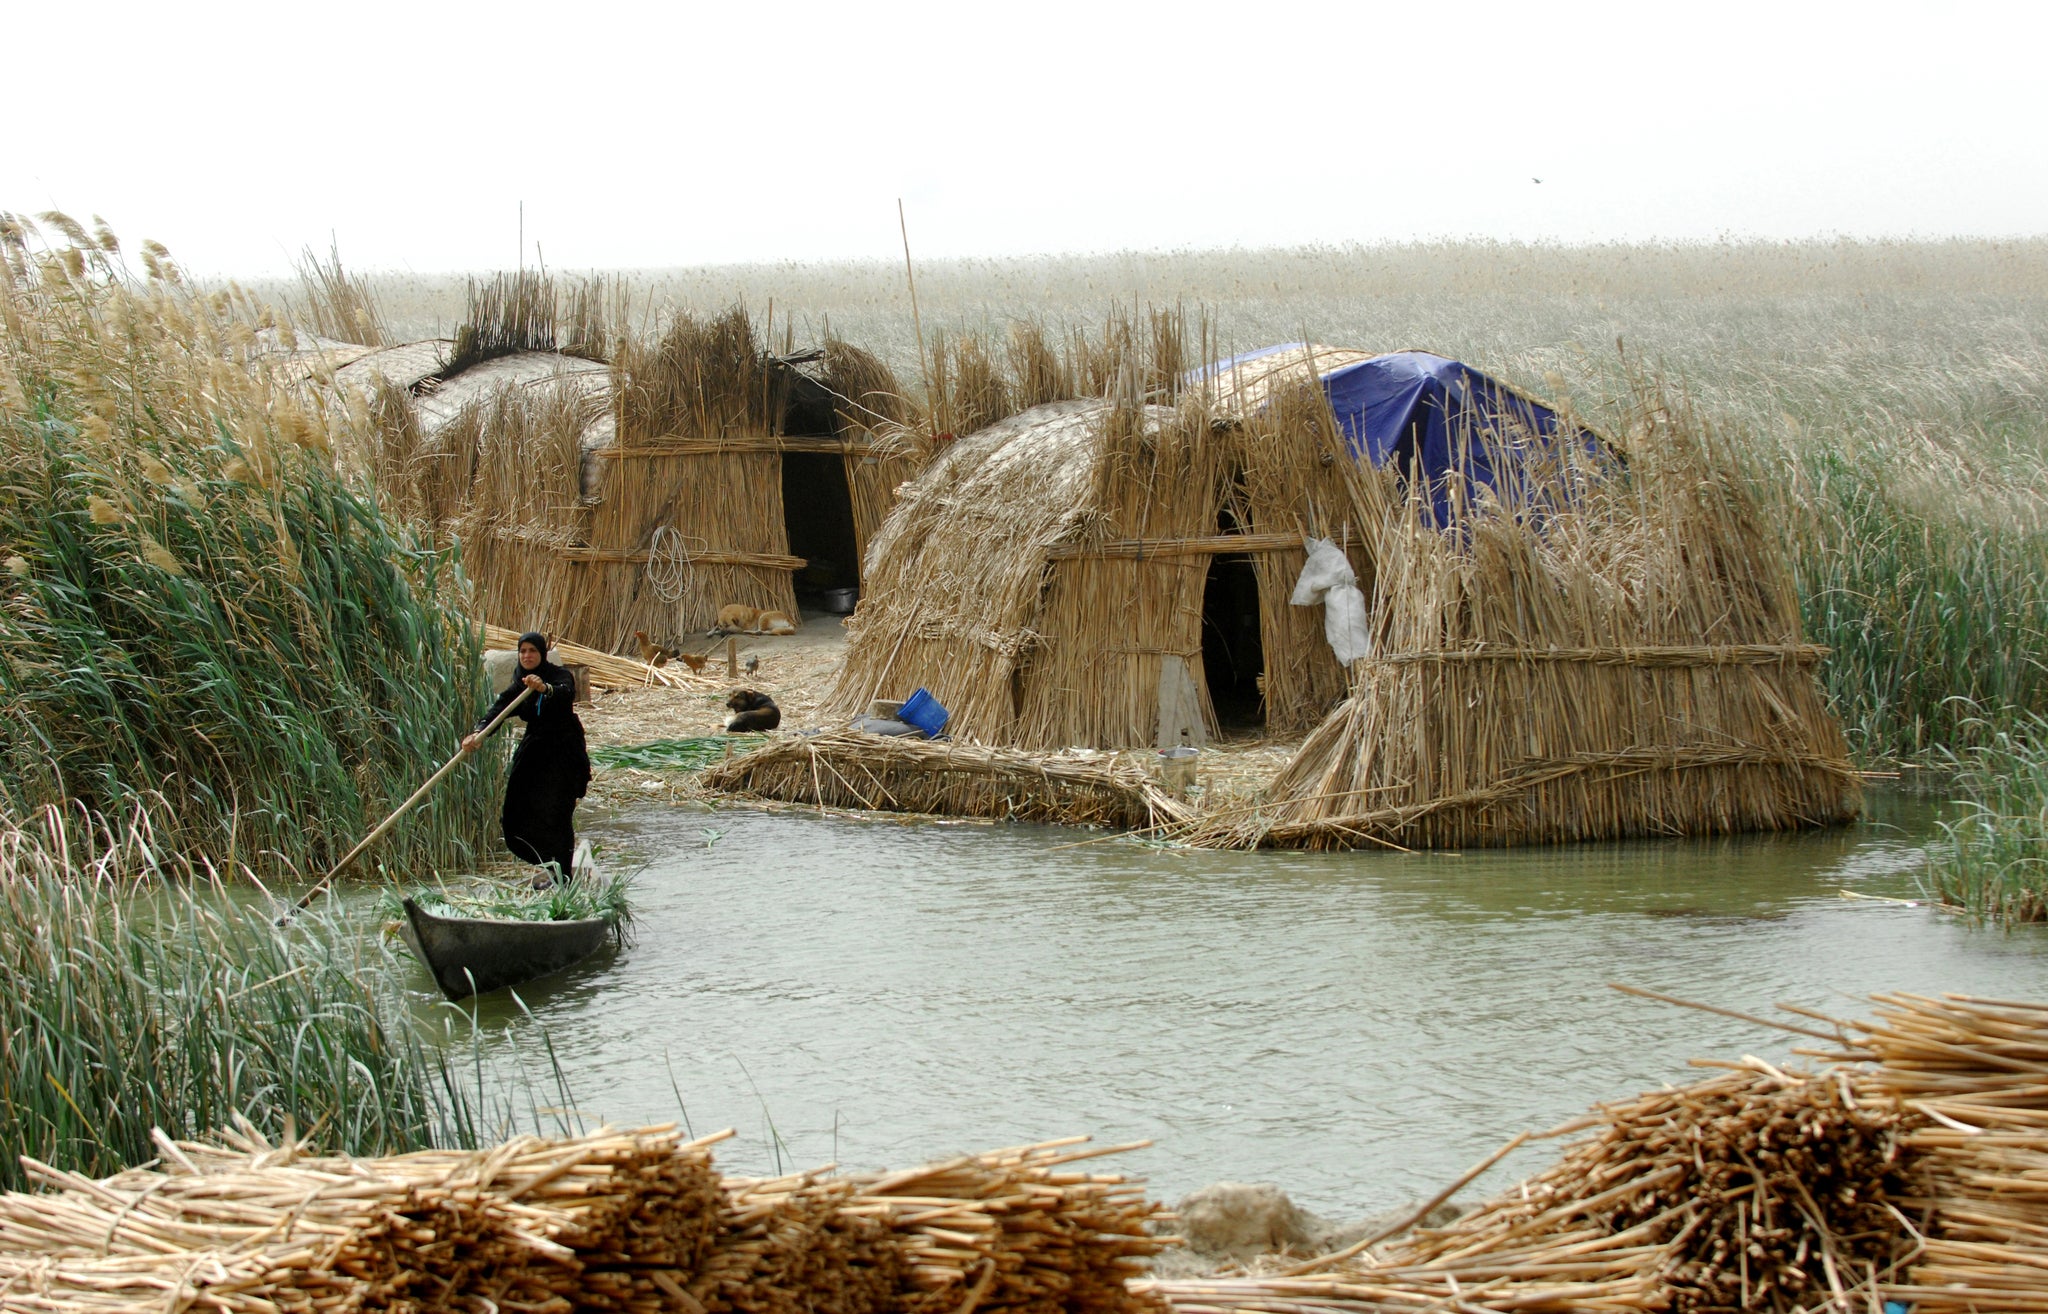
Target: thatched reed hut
{"points": [[602, 485], [1102, 574], [1559, 643]]}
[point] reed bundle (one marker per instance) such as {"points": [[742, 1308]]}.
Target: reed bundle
{"points": [[606, 670], [1019, 1230], [1977, 1071], [247, 1225], [626, 1222], [852, 769]]}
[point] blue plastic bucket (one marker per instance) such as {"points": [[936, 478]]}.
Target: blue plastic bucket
{"points": [[925, 712]]}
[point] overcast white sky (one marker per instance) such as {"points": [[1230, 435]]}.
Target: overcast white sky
{"points": [[649, 135]]}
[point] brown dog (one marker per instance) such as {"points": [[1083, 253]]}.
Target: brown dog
{"points": [[753, 711], [737, 618]]}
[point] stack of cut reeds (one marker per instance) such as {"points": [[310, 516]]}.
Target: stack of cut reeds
{"points": [[246, 1225], [1019, 1230], [791, 1244], [606, 670], [614, 1222], [852, 769], [1757, 1189], [1914, 1169], [1978, 1070]]}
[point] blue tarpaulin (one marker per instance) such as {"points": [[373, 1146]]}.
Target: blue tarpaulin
{"points": [[1430, 418]]}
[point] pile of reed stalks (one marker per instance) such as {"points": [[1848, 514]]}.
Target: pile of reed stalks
{"points": [[1910, 1169], [606, 670], [853, 769], [1975, 1073], [627, 1222], [194, 605]]}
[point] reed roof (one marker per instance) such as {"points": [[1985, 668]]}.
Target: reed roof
{"points": [[439, 404], [407, 366], [1243, 385]]}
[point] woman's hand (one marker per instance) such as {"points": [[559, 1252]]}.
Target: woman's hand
{"points": [[470, 741], [535, 683]]}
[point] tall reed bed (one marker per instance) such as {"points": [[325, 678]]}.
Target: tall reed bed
{"points": [[194, 606], [1994, 858], [130, 1002]]}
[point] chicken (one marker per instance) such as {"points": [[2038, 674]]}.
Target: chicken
{"points": [[753, 664], [694, 660], [651, 653]]}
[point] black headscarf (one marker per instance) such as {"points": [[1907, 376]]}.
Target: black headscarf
{"points": [[547, 670]]}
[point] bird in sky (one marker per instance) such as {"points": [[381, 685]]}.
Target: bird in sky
{"points": [[1535, 180]]}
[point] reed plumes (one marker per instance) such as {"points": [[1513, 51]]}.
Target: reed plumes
{"points": [[203, 610]]}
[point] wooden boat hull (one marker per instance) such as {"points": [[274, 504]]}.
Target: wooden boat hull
{"points": [[476, 955]]}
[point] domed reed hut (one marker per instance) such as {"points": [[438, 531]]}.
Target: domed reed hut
{"points": [[1562, 637], [601, 484]]}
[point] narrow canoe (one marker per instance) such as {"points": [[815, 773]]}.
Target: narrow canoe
{"points": [[476, 955]]}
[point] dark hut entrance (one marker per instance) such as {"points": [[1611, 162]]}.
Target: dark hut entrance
{"points": [[1233, 657], [817, 510], [817, 503]]}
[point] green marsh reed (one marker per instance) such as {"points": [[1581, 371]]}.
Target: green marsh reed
{"points": [[139, 991], [1993, 860], [195, 606]]}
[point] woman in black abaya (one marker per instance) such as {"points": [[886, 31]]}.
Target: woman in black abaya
{"points": [[550, 768]]}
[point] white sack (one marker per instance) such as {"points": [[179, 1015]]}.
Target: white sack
{"points": [[1326, 568], [1344, 623], [1327, 578]]}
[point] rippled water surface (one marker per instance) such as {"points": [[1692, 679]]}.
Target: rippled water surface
{"points": [[1357, 1027]]}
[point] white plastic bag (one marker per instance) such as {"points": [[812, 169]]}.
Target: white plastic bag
{"points": [[1345, 624], [1326, 568], [1327, 578]]}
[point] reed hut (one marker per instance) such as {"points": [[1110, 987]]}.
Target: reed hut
{"points": [[1102, 574], [1566, 637], [602, 485]]}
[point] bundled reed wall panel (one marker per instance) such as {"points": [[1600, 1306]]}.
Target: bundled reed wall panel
{"points": [[1625, 662]]}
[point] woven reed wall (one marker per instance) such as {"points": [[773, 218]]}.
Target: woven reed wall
{"points": [[592, 511], [1628, 664]]}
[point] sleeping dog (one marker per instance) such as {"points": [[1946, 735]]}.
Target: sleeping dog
{"points": [[753, 711]]}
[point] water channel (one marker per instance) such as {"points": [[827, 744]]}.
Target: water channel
{"points": [[1359, 1028]]}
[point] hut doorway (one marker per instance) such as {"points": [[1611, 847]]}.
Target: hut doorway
{"points": [[817, 512], [1233, 657]]}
